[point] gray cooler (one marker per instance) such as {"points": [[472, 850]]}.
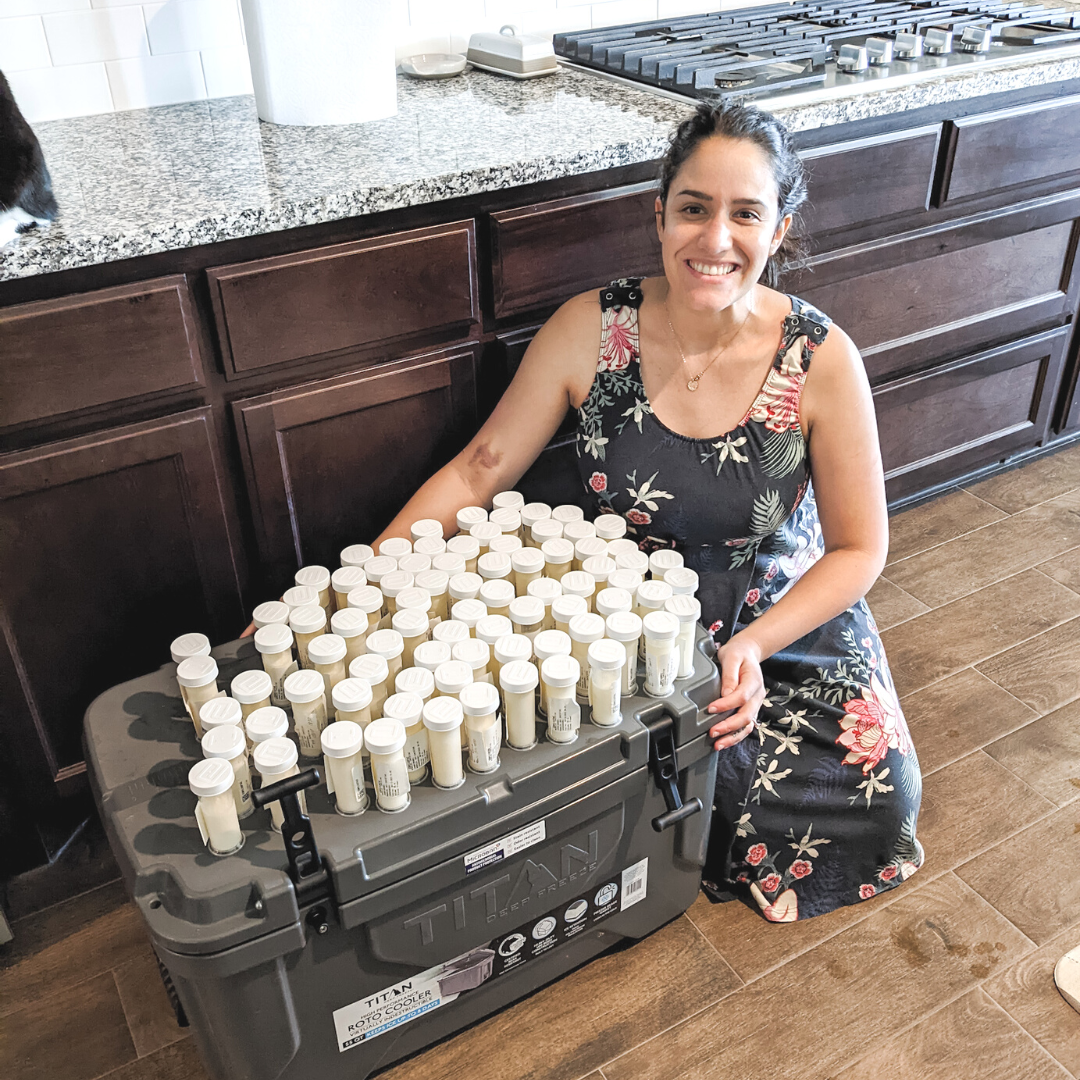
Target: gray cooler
{"points": [[401, 929]]}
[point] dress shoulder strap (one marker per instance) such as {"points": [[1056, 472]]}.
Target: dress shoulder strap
{"points": [[623, 292], [619, 340], [804, 330]]}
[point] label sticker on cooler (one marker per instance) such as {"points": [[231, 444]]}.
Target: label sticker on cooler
{"points": [[498, 850]]}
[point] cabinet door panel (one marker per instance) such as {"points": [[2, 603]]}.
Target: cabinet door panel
{"points": [[329, 463], [273, 311], [78, 352], [110, 546]]}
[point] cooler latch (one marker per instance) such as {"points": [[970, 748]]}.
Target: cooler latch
{"points": [[664, 760]]}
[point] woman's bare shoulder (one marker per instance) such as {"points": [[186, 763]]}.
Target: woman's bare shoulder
{"points": [[567, 345]]}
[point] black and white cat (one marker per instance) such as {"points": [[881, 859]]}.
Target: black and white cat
{"points": [[26, 198]]}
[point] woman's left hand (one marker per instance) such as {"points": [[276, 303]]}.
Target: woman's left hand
{"points": [[742, 688]]}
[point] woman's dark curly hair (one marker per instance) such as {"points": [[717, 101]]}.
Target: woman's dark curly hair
{"points": [[735, 121]]}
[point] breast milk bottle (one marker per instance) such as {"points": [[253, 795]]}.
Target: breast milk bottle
{"points": [[450, 632], [558, 557], [587, 548], [211, 780], [506, 544], [531, 513], [687, 609], [342, 743], [625, 628], [415, 680], [274, 644], [343, 581], [661, 653], [251, 690], [429, 546], [477, 655], [197, 676], [351, 701], [356, 555], [436, 584], [300, 596], [469, 612], [579, 583], [651, 596], [376, 673], [450, 562], [272, 611], [351, 625], [327, 656], [527, 615], [506, 650], [412, 624], [567, 512], [430, 654], [450, 679], [394, 547], [559, 676], [496, 595], [464, 587], [483, 532], [519, 680], [221, 712], [545, 589], [480, 703], [306, 692], [508, 520], [584, 630], [610, 600], [660, 562], [385, 741], [317, 578], [633, 559], [443, 718], [409, 710], [546, 644], [468, 516], [391, 584], [683, 580], [508, 500], [564, 608], [276, 759], [425, 527], [228, 743], [527, 566], [492, 627], [544, 530], [601, 568], [628, 580], [465, 545], [369, 600], [390, 645], [606, 662], [416, 563], [307, 623], [610, 526], [266, 723]]}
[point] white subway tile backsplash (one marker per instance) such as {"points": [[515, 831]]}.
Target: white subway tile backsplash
{"points": [[156, 80], [668, 9], [22, 44], [79, 37], [614, 12], [190, 25], [11, 8], [56, 93], [226, 72]]}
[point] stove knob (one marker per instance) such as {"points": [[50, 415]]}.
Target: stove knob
{"points": [[938, 42], [908, 46], [879, 51], [852, 58], [976, 39]]}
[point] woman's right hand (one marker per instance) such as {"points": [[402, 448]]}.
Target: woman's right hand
{"points": [[742, 688], [249, 631]]}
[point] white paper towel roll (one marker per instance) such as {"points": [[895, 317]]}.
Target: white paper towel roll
{"points": [[321, 61]]}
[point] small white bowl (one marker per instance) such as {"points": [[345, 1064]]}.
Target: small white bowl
{"points": [[433, 65]]}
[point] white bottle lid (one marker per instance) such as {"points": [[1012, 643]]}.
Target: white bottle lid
{"points": [[474, 652], [588, 546], [683, 580], [483, 532], [409, 622], [533, 512], [469, 612], [634, 560], [425, 527], [450, 632], [342, 739], [623, 626], [468, 516], [544, 588], [414, 564], [221, 712], [684, 608], [414, 598], [307, 620], [452, 676], [609, 600], [576, 531], [415, 680], [371, 668], [512, 647], [385, 643], [433, 582], [316, 577], [326, 649], [348, 622], [210, 777], [479, 699], [197, 671], [303, 686], [607, 655], [566, 512], [251, 686], [406, 707], [546, 529], [610, 526], [507, 543], [660, 625], [493, 564], [189, 645], [274, 756], [463, 544], [663, 560], [274, 638], [498, 592], [269, 612], [430, 654], [600, 566], [511, 500], [356, 555], [450, 562], [347, 578], [565, 607], [507, 518], [386, 736], [300, 596], [269, 722], [558, 550], [366, 598], [351, 695], [443, 714], [528, 560], [395, 546], [560, 671], [394, 582], [551, 643], [492, 627], [224, 741], [464, 586], [625, 579], [587, 627], [377, 568], [624, 545], [653, 594], [578, 583], [429, 546], [527, 610], [519, 677]]}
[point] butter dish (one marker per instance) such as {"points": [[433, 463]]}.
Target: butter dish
{"points": [[521, 56]]}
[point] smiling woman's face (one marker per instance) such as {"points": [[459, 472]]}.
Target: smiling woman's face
{"points": [[720, 224]]}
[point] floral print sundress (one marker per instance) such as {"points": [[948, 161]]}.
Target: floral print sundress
{"points": [[817, 808]]}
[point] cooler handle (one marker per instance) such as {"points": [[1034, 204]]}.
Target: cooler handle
{"points": [[664, 760]]}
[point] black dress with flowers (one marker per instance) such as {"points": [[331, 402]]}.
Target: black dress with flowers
{"points": [[817, 808]]}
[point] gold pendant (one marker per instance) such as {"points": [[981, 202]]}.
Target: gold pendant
{"points": [[692, 384]]}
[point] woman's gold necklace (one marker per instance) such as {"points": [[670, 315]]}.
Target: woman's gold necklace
{"points": [[692, 383]]}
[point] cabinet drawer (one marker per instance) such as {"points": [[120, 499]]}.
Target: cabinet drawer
{"points": [[1012, 146], [273, 311], [93, 349], [546, 253], [866, 180]]}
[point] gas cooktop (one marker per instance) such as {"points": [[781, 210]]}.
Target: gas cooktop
{"points": [[790, 47]]}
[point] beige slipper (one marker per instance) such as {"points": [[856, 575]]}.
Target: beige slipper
{"points": [[1067, 977]]}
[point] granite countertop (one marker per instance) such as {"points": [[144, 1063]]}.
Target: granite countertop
{"points": [[151, 180]]}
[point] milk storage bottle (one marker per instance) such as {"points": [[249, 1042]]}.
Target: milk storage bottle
{"points": [[660, 562], [634, 560], [275, 759], [266, 723], [625, 628], [229, 744], [508, 520], [586, 548], [351, 701], [559, 677], [415, 598], [306, 692], [274, 644], [469, 612], [197, 676], [356, 555], [579, 583], [661, 653], [409, 710], [606, 662], [480, 703], [450, 679], [549, 643], [251, 690], [307, 623], [506, 650], [391, 584], [272, 611], [390, 645], [496, 595], [300, 596], [385, 742], [327, 656], [394, 547], [351, 625], [527, 615], [317, 578], [610, 526], [564, 608], [683, 581], [429, 546], [436, 583], [567, 512], [651, 596], [558, 555], [519, 680], [527, 566], [425, 527], [376, 569], [189, 645], [507, 500], [578, 530], [369, 600], [443, 718], [687, 609], [468, 516], [477, 655], [450, 563], [464, 587], [506, 544], [343, 581], [584, 630], [531, 513], [211, 780], [412, 625], [430, 654], [342, 743], [546, 589], [450, 632], [483, 533], [601, 568], [492, 627], [376, 673], [544, 530], [465, 545], [221, 712], [415, 680], [610, 600], [628, 580], [415, 563]]}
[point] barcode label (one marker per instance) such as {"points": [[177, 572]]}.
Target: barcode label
{"points": [[635, 884]]}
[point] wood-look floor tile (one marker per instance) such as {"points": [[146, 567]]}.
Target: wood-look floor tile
{"points": [[999, 550], [809, 1017], [959, 714], [50, 924], [1031, 878], [1065, 568], [146, 1004], [970, 1039], [890, 605], [597, 1012], [76, 1034], [1026, 991], [177, 1061], [1033, 483], [948, 516], [1044, 672], [976, 627], [1045, 754]]}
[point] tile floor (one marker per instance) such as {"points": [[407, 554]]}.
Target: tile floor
{"points": [[948, 976]]}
